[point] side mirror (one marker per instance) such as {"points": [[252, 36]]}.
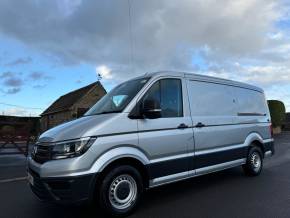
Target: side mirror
{"points": [[151, 109]]}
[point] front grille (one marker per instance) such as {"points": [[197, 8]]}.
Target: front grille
{"points": [[42, 154]]}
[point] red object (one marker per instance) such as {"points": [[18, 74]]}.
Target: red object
{"points": [[271, 130], [16, 137]]}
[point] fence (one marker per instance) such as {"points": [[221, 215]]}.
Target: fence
{"points": [[16, 134]]}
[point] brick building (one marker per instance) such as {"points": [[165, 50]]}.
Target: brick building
{"points": [[71, 105]]}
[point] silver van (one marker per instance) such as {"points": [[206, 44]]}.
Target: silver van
{"points": [[149, 131]]}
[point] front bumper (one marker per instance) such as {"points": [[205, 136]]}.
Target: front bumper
{"points": [[64, 190]]}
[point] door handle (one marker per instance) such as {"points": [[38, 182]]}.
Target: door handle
{"points": [[182, 126], [199, 125]]}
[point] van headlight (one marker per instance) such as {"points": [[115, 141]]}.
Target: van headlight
{"points": [[72, 148]]}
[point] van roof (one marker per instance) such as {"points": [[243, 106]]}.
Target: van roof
{"points": [[200, 77]]}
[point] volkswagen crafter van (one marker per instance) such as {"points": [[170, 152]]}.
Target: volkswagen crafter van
{"points": [[149, 131]]}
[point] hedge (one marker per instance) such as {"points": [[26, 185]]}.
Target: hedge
{"points": [[277, 111]]}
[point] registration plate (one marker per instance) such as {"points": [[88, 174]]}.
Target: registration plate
{"points": [[30, 179]]}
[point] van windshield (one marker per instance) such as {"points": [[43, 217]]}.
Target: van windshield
{"points": [[117, 99]]}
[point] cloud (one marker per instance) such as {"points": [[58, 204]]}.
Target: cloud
{"points": [[12, 81], [104, 71], [14, 111], [68, 6], [279, 92], [268, 74], [164, 32], [36, 76], [256, 74], [6, 75], [19, 61], [12, 90], [206, 36], [39, 86], [39, 77]]}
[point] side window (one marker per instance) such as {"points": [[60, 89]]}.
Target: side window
{"points": [[209, 99], [168, 92], [153, 93], [250, 101]]}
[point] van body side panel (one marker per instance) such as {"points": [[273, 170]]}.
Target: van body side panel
{"points": [[228, 128], [212, 105], [230, 116], [168, 150], [165, 143], [252, 114]]}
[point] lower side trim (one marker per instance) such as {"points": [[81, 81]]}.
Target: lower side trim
{"points": [[193, 173], [222, 166], [199, 160]]}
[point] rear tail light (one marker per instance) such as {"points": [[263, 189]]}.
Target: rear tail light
{"points": [[271, 130]]}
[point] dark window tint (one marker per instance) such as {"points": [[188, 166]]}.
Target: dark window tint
{"points": [[168, 92]]}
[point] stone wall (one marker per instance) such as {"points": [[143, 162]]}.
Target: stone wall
{"points": [[90, 99], [77, 110]]}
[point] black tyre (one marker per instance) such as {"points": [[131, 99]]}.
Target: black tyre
{"points": [[254, 164], [120, 191]]}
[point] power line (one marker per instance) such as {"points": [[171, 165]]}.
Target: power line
{"points": [[131, 34], [19, 106]]}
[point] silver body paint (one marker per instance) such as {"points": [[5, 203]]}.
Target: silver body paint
{"points": [[152, 141]]}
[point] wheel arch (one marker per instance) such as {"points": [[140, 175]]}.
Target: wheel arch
{"points": [[124, 155], [131, 161], [255, 139]]}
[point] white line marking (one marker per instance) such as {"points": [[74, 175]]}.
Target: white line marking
{"points": [[13, 180]]}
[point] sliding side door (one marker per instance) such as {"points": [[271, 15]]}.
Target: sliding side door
{"points": [[213, 112]]}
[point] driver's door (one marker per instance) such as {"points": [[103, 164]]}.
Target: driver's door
{"points": [[167, 139]]}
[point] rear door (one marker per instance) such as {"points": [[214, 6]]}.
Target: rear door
{"points": [[167, 140], [213, 112]]}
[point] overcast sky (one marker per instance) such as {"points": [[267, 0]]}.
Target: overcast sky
{"points": [[51, 47]]}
